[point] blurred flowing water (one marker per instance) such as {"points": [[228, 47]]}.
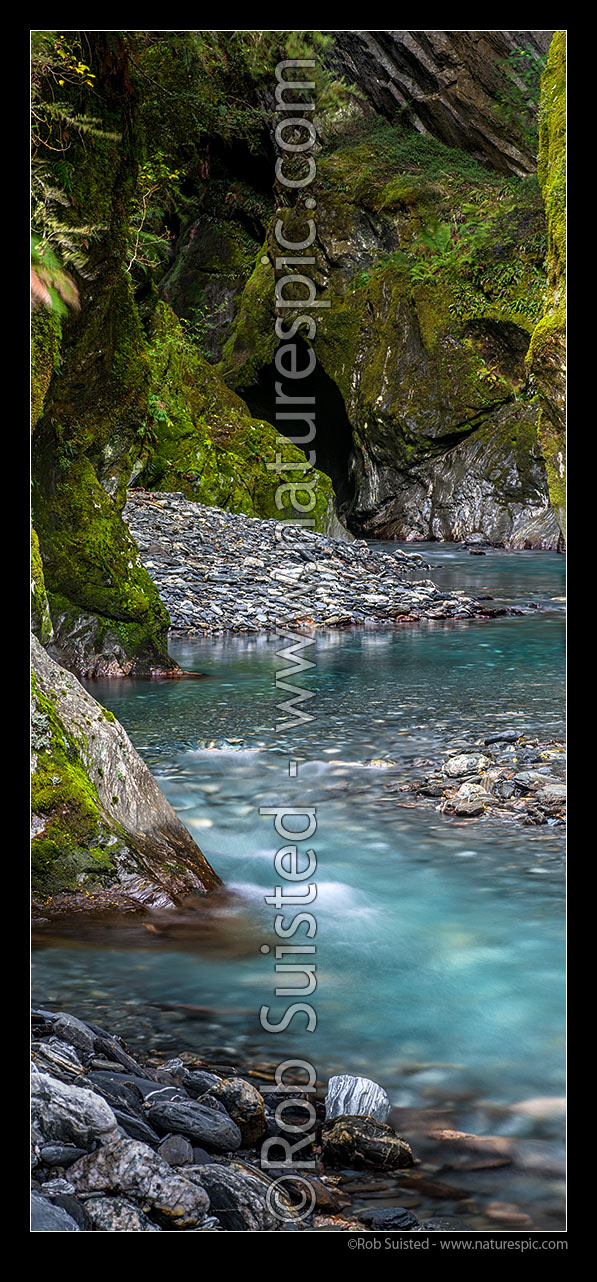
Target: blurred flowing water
{"points": [[440, 943]]}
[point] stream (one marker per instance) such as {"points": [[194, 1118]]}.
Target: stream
{"points": [[440, 942]]}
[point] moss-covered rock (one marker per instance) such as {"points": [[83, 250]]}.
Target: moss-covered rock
{"points": [[433, 267], [204, 443], [91, 399], [98, 816], [41, 619], [547, 352]]}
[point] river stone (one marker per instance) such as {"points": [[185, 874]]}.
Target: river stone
{"points": [[67, 1114], [391, 1217], [60, 1154], [136, 1172], [552, 794], [58, 1058], [356, 1096], [244, 1105], [465, 763], [47, 1218], [198, 1083], [209, 1128], [238, 1197], [73, 1030], [359, 1142], [136, 1129], [75, 1209], [176, 1150], [471, 799], [530, 780], [118, 1215]]}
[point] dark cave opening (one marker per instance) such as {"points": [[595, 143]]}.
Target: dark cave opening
{"points": [[332, 442]]}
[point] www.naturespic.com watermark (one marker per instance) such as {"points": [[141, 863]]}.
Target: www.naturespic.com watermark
{"points": [[295, 862]]}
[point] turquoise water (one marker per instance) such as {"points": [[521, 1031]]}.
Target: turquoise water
{"points": [[439, 942]]}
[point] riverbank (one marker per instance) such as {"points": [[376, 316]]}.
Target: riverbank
{"points": [[124, 1145], [218, 573]]}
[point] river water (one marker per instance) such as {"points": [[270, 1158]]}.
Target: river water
{"points": [[440, 943]]}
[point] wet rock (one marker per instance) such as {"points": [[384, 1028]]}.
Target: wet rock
{"points": [[197, 1083], [176, 1150], [47, 1218], [530, 780], [204, 1126], [118, 1215], [76, 1210], [465, 764], [240, 1198], [67, 1114], [244, 1105], [133, 1170], [60, 1154], [394, 1217], [58, 1058], [359, 1142], [73, 1030], [552, 794], [136, 1128], [356, 1096]]}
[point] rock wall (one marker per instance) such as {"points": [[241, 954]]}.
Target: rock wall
{"points": [[470, 89], [547, 352], [90, 399], [433, 266]]}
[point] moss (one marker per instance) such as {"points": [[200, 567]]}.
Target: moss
{"points": [[204, 441], [547, 351], [46, 330], [70, 851], [41, 620], [253, 342]]}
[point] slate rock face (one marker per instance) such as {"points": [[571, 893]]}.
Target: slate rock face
{"points": [[133, 1170], [356, 1096], [448, 83], [359, 1142]]}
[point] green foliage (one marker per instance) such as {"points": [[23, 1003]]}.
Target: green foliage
{"points": [[518, 102]]}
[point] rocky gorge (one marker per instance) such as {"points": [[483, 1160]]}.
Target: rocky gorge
{"points": [[164, 567]]}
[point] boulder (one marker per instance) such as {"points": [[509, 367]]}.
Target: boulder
{"points": [[133, 1170], [359, 1142]]}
